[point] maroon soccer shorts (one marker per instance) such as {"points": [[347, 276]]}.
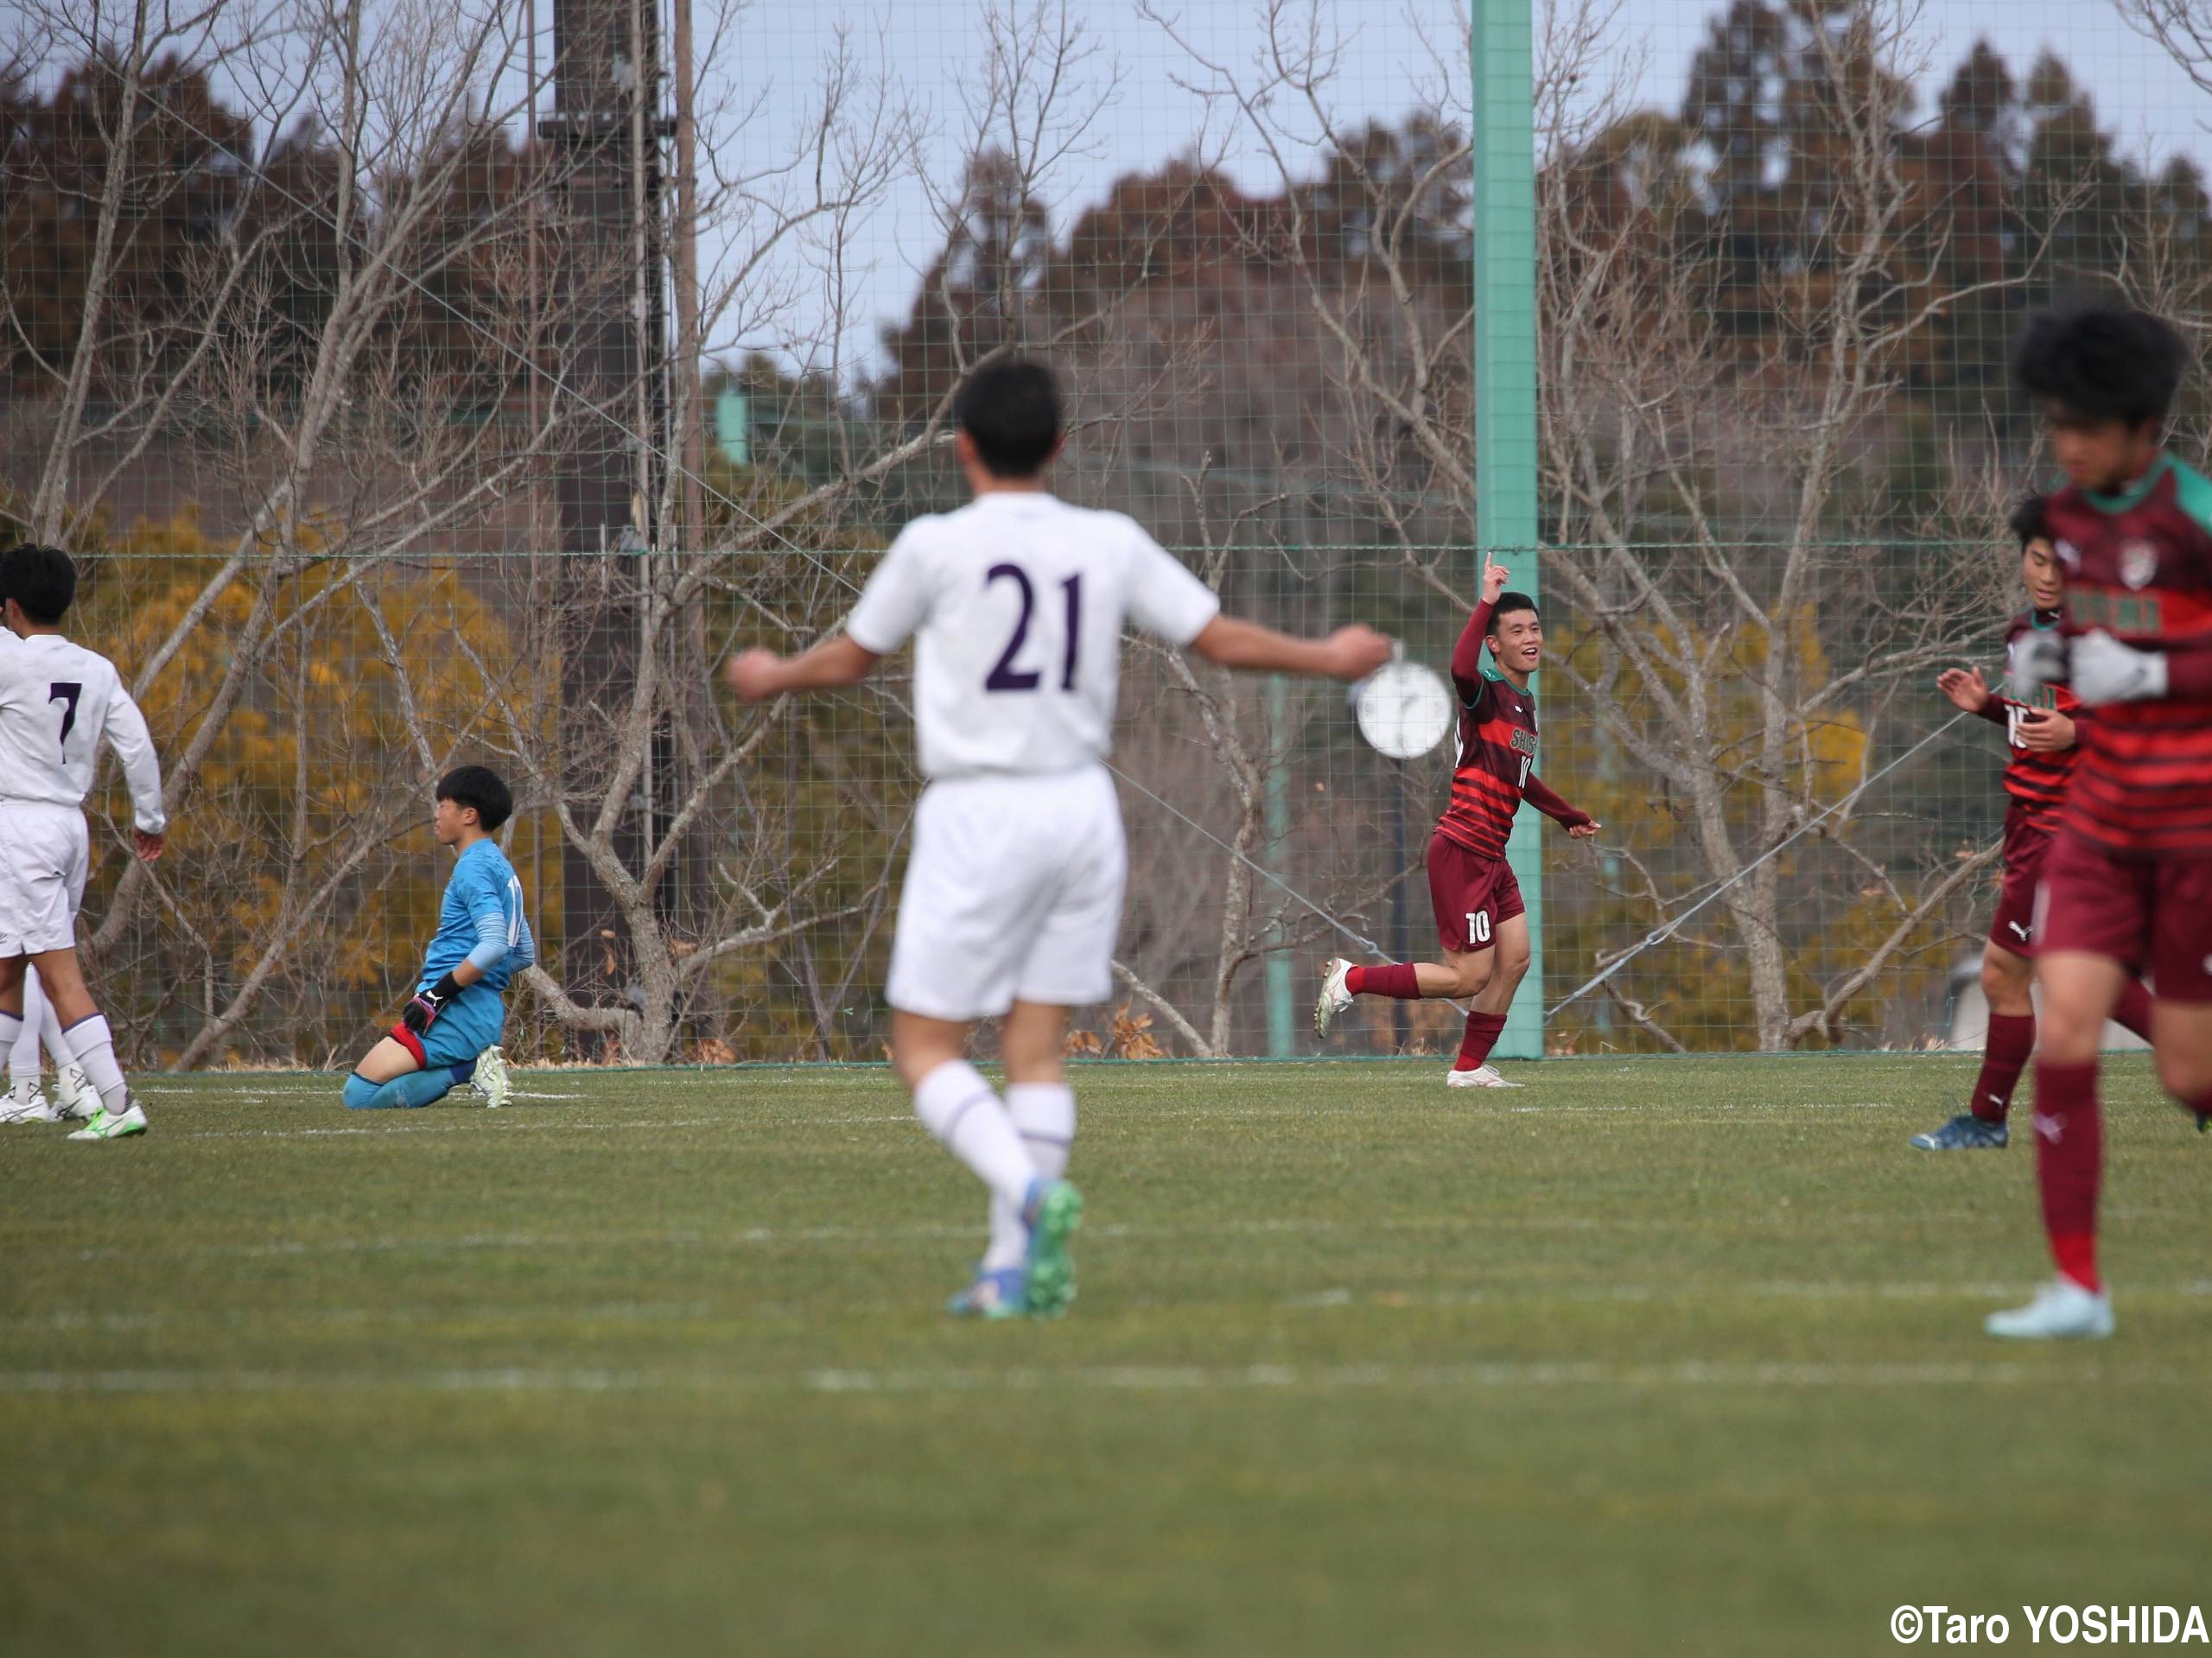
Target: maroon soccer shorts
{"points": [[1473, 895], [2027, 842], [2153, 918]]}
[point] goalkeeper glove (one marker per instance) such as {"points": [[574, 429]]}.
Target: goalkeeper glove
{"points": [[2040, 661], [2105, 670], [423, 1010]]}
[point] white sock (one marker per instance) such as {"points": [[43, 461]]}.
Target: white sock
{"points": [[22, 1043], [956, 1105], [49, 1022], [1043, 1114], [94, 1044]]}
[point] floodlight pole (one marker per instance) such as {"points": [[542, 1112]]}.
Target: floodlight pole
{"points": [[1505, 390]]}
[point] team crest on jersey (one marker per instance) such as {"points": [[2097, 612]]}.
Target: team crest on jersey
{"points": [[2069, 554], [2139, 562]]}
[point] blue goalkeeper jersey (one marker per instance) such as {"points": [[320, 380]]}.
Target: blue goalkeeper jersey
{"points": [[481, 918]]}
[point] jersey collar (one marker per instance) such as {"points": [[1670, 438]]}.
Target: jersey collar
{"points": [[1498, 678], [2133, 494]]}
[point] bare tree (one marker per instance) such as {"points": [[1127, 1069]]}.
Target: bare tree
{"points": [[1696, 571]]}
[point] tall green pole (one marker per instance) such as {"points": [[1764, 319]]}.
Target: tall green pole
{"points": [[1505, 390], [1281, 1032]]}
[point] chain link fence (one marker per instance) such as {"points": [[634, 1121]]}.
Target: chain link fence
{"points": [[419, 385]]}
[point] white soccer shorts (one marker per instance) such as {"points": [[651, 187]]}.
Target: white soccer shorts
{"points": [[44, 853], [1013, 894]]}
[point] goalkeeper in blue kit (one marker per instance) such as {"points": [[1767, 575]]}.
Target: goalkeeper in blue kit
{"points": [[450, 1033]]}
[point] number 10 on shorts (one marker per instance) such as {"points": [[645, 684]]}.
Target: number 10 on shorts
{"points": [[1478, 927]]}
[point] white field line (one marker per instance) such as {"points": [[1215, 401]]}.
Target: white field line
{"points": [[73, 1319], [505, 1123], [1682, 1375], [756, 1235], [1646, 1294]]}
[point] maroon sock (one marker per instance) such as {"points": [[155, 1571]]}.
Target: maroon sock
{"points": [[2134, 1010], [2003, 1057], [1401, 980], [2069, 1164], [1481, 1037]]}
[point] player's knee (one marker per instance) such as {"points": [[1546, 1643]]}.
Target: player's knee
{"points": [[1473, 976], [2005, 979], [360, 1094], [2187, 1077]]}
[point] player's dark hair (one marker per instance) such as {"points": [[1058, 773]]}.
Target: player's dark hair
{"points": [[1508, 604], [2029, 522], [2101, 363], [479, 787], [1012, 412], [42, 579]]}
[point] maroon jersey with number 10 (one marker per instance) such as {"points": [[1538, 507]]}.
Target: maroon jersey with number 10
{"points": [[1497, 748], [2139, 566], [2036, 780]]}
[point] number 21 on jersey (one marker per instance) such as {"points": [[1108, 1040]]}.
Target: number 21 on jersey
{"points": [[1005, 677]]}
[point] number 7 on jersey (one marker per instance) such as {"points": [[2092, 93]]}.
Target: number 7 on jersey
{"points": [[68, 691]]}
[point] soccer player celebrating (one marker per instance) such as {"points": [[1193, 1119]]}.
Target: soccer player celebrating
{"points": [[450, 1033], [1480, 919], [58, 701], [2127, 884], [1013, 893], [2042, 725]]}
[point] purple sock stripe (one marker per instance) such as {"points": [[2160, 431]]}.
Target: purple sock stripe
{"points": [[88, 1020], [1049, 1140], [962, 1110]]}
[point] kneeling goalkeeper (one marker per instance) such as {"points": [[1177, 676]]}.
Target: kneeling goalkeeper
{"points": [[450, 1033]]}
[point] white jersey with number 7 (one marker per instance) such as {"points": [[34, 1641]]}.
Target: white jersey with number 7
{"points": [[1017, 603], [57, 701]]}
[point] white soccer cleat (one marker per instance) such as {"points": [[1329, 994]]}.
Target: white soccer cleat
{"points": [[490, 1079], [107, 1125], [1480, 1076], [2063, 1310], [1334, 997], [81, 1100], [26, 1104]]}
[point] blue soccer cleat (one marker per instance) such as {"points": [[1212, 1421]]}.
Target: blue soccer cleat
{"points": [[1964, 1133], [1002, 1294], [1053, 1214]]}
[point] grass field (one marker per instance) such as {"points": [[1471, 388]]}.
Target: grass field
{"points": [[1663, 1355]]}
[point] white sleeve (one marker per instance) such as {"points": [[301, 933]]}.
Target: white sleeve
{"points": [[141, 768], [896, 602], [1165, 599]]}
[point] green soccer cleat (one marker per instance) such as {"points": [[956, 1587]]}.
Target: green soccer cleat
{"points": [[107, 1125], [1001, 1294], [491, 1078], [1053, 1213]]}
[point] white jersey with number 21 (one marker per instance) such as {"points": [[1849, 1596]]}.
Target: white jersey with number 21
{"points": [[1016, 603]]}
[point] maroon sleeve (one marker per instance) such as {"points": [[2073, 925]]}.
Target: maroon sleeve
{"points": [[1538, 795], [1467, 655], [2189, 675], [1993, 710]]}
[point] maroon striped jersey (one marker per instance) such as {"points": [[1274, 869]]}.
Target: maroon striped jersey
{"points": [[2036, 781], [2139, 566], [1498, 752]]}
